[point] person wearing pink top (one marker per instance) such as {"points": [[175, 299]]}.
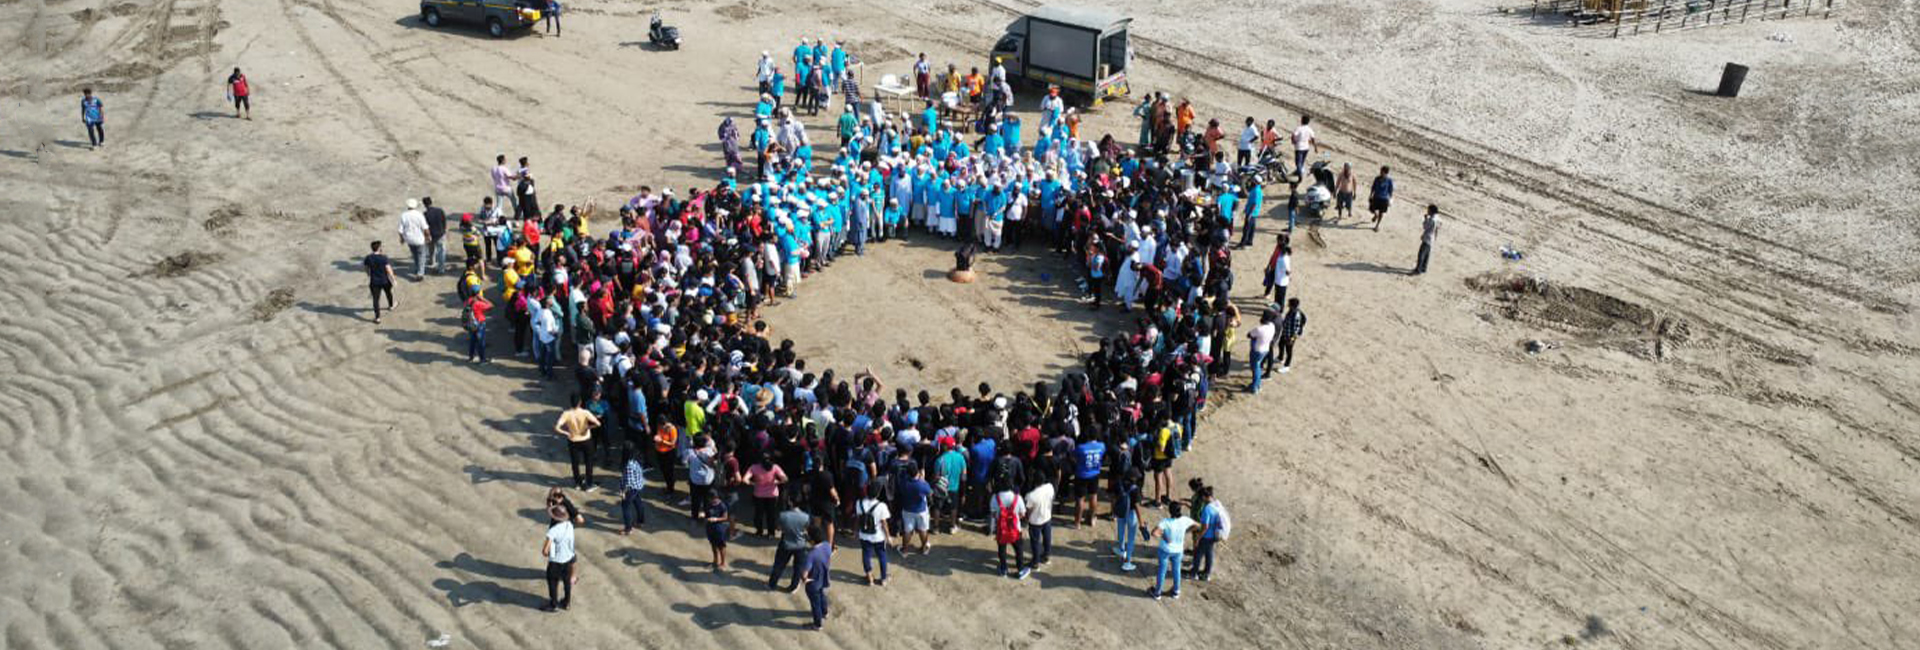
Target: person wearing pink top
{"points": [[503, 179], [766, 478]]}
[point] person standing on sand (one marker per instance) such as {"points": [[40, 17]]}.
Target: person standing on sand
{"points": [[1380, 195], [819, 565], [1344, 187], [1126, 513], [632, 480], [576, 425], [552, 17], [1260, 340], [94, 115], [1290, 327], [526, 200], [719, 524], [1007, 511], [559, 551], [503, 179], [792, 548], [915, 515], [379, 278], [1172, 533], [474, 317], [436, 236], [413, 233], [1429, 233], [874, 536], [238, 90]]}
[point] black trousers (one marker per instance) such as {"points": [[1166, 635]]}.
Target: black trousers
{"points": [[766, 510], [1285, 352], [97, 133], [781, 559], [1019, 556], [559, 578], [378, 290], [1420, 265], [581, 454]]}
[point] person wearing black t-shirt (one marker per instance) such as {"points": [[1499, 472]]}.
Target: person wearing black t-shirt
{"points": [[379, 279]]}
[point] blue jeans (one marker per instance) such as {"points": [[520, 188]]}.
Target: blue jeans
{"points": [[817, 600], [1124, 522], [1253, 362], [1202, 559], [1040, 542], [1188, 421], [544, 353], [1168, 562], [631, 502], [870, 549], [477, 342], [1246, 235]]}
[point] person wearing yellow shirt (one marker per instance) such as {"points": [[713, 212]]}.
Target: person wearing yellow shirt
{"points": [[1164, 441]]}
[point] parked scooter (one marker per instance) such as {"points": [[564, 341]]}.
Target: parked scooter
{"points": [[663, 35]]}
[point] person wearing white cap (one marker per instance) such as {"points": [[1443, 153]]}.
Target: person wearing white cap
{"points": [[413, 231], [763, 72]]}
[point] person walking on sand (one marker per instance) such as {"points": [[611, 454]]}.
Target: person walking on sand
{"points": [[792, 548], [1429, 233], [1172, 533], [1304, 143], [238, 91], [379, 278], [559, 551], [552, 17], [819, 565], [577, 425], [413, 233], [94, 115], [436, 235], [1380, 195]]}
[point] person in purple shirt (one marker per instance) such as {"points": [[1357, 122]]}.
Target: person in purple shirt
{"points": [[819, 563]]}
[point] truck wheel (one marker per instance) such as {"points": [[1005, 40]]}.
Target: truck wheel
{"points": [[496, 28], [432, 16]]}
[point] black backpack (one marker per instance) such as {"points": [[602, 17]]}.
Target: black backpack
{"points": [[868, 523]]}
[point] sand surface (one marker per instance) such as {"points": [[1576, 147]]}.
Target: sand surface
{"points": [[208, 444]]}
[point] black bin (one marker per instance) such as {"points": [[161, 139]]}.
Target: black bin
{"points": [[1731, 79]]}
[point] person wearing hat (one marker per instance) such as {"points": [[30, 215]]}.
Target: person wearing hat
{"points": [[559, 551], [413, 232], [763, 72]]}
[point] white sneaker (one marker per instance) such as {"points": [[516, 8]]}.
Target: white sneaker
{"points": [[1285, 369]]}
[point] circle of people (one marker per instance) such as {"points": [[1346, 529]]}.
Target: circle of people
{"points": [[675, 374]]}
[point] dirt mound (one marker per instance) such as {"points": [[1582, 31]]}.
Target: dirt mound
{"points": [[276, 301], [222, 219], [360, 213], [1588, 315], [181, 264]]}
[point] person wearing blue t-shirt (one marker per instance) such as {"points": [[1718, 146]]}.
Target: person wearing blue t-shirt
{"points": [[1210, 522], [1088, 457], [915, 515]]}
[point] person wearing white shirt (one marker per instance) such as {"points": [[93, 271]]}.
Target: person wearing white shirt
{"points": [[559, 551], [1040, 521], [1248, 137], [874, 536], [413, 231], [1303, 143], [1260, 341], [546, 331]]}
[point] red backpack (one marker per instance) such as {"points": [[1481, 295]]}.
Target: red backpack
{"points": [[1006, 526]]}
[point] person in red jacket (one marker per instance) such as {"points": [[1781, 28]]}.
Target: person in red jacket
{"points": [[238, 91]]}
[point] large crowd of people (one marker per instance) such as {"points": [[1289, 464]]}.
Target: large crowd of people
{"points": [[653, 311]]}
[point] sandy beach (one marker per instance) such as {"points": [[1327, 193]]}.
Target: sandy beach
{"points": [[208, 443]]}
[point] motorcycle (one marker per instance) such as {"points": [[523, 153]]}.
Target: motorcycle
{"points": [[1262, 171], [663, 35], [1320, 195]]}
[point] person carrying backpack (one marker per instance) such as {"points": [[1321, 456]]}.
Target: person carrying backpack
{"points": [[473, 317], [1215, 526], [1008, 510], [874, 537]]}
